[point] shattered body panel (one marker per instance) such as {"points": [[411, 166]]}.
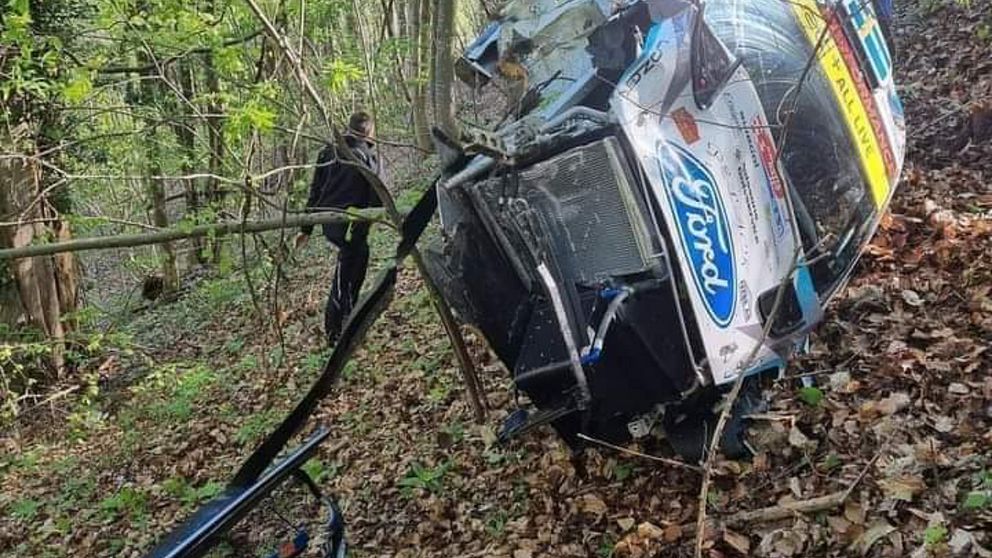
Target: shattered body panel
{"points": [[675, 177]]}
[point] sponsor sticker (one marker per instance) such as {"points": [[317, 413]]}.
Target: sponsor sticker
{"points": [[703, 227], [864, 93], [773, 180], [834, 67], [871, 38], [744, 295], [686, 123], [895, 105], [649, 60], [766, 150]]}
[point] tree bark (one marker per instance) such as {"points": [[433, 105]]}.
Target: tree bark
{"points": [[419, 19], [155, 189], [444, 71], [37, 291], [186, 136], [215, 194], [24, 250]]}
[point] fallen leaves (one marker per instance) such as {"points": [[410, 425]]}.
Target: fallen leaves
{"points": [[593, 504], [903, 487], [876, 532]]}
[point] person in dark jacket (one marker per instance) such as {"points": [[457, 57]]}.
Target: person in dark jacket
{"points": [[339, 184]]}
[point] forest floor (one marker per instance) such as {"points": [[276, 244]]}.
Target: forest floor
{"points": [[904, 403]]}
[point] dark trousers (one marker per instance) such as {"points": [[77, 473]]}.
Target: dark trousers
{"points": [[349, 274]]}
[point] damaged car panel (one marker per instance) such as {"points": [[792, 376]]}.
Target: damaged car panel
{"points": [[672, 177]]}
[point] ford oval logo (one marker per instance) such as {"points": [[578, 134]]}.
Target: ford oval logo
{"points": [[703, 229]]}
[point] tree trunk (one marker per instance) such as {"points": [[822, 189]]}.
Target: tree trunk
{"points": [[155, 188], [38, 291], [420, 17], [185, 134], [216, 134], [444, 71]]}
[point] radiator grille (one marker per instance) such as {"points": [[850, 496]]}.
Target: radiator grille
{"points": [[589, 192]]}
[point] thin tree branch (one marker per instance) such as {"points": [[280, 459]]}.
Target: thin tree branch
{"points": [[217, 229], [176, 57]]}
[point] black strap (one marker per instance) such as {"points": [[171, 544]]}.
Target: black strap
{"points": [[361, 318]]}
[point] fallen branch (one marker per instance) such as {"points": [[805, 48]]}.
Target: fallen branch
{"points": [[774, 513], [213, 229], [788, 509]]}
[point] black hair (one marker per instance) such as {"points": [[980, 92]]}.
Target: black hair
{"points": [[360, 123]]}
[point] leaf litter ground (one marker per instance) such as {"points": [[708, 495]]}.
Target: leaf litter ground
{"points": [[904, 395]]}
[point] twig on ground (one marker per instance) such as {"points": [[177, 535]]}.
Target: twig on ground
{"points": [[789, 509], [778, 512], [635, 453]]}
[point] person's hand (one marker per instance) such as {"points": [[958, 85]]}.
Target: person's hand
{"points": [[301, 240]]}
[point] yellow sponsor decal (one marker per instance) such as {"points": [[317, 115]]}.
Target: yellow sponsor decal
{"points": [[831, 60]]}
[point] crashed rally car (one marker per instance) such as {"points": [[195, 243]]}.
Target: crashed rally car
{"points": [[678, 190]]}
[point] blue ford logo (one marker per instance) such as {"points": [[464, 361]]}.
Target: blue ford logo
{"points": [[703, 228]]}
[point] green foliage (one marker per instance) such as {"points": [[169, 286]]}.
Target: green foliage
{"points": [[455, 431], [76, 490], [935, 534], [812, 396], [440, 389], [622, 470], [254, 115], [173, 391], [24, 510], [340, 74], [984, 32], [980, 497], [496, 523], [319, 471], [179, 488], [235, 345], [77, 87], [606, 546], [423, 478], [128, 502], [24, 462], [977, 500], [257, 425], [831, 462], [18, 373]]}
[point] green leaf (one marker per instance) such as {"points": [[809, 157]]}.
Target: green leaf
{"points": [[977, 500], [341, 73], [935, 534], [77, 88], [25, 510], [622, 471], [832, 462], [812, 396]]}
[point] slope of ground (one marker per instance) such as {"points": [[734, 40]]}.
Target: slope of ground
{"points": [[904, 403]]}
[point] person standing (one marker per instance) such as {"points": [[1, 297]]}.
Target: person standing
{"points": [[339, 184]]}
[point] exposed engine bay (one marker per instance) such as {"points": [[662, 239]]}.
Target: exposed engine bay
{"points": [[677, 191]]}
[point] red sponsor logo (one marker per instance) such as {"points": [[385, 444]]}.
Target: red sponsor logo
{"points": [[766, 150], [686, 124]]}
